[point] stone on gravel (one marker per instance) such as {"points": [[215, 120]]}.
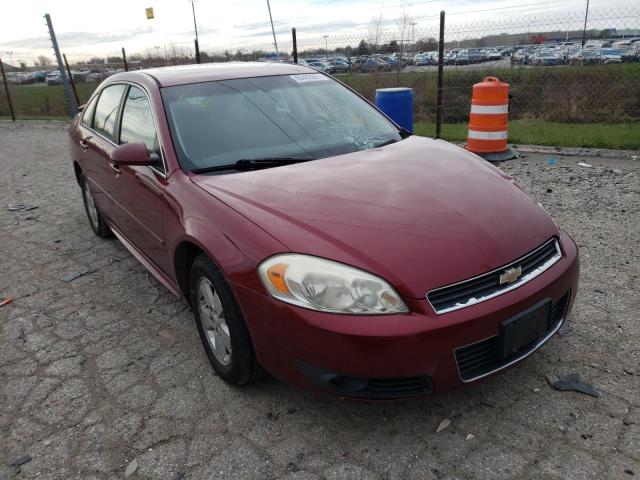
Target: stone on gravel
{"points": [[443, 424], [131, 468]]}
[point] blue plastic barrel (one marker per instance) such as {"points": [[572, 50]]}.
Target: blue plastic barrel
{"points": [[397, 103]]}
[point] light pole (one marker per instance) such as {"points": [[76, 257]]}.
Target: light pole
{"points": [[195, 28], [326, 47], [584, 30], [275, 42], [10, 58]]}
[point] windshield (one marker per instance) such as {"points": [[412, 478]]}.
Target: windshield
{"points": [[304, 116]]}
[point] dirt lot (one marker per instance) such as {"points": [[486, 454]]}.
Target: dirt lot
{"points": [[108, 368]]}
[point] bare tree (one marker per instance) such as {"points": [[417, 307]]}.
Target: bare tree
{"points": [[375, 32], [44, 61], [404, 25]]}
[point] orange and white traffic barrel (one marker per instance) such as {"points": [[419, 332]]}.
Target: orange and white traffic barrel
{"points": [[489, 120]]}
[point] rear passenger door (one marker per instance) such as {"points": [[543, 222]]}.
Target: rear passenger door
{"points": [[139, 190], [97, 140]]}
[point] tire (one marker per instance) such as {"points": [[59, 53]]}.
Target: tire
{"points": [[96, 220], [221, 325]]}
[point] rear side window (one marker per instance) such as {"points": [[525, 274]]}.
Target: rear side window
{"points": [[104, 121], [87, 115], [137, 121]]}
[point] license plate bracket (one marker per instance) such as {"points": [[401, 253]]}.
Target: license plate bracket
{"points": [[523, 329]]}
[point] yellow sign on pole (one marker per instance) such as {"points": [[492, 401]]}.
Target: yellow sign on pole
{"points": [[149, 13]]}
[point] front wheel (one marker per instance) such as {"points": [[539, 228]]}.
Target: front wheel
{"points": [[221, 325]]}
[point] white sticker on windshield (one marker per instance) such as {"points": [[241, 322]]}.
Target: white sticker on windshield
{"points": [[309, 77]]}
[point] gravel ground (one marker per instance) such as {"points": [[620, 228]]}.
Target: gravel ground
{"points": [[107, 369]]}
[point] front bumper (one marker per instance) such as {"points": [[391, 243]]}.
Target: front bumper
{"points": [[292, 343]]}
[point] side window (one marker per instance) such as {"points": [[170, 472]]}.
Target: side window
{"points": [[137, 121], [87, 115], [106, 114]]}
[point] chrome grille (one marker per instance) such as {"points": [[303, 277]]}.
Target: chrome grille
{"points": [[486, 286]]}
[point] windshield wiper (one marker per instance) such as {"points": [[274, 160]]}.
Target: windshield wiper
{"points": [[252, 164], [384, 144]]}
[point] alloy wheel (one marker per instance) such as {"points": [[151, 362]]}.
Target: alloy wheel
{"points": [[213, 321]]}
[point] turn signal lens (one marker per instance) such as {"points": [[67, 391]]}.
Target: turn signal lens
{"points": [[276, 277], [329, 286]]}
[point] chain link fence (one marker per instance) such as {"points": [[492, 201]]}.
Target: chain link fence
{"points": [[558, 71]]}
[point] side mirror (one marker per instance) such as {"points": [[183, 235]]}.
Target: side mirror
{"points": [[133, 154]]}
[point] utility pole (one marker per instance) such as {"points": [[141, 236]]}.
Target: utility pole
{"points": [[584, 30], [6, 89], [440, 77], [72, 106], [195, 28], [326, 47], [275, 42]]}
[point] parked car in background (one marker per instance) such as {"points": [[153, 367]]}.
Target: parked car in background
{"points": [[474, 55], [425, 58], [491, 54], [393, 62], [584, 57], [610, 55], [631, 53], [315, 239], [523, 56], [339, 67], [459, 57], [545, 58], [53, 78], [369, 64], [422, 60], [40, 76], [325, 67]]}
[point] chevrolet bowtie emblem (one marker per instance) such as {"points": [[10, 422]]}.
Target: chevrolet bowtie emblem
{"points": [[510, 275]]}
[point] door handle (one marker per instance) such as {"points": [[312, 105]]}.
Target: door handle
{"points": [[84, 144], [115, 168]]}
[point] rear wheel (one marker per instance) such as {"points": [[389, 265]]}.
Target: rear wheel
{"points": [[221, 325], [98, 225]]}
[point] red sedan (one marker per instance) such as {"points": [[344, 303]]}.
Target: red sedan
{"points": [[314, 238]]}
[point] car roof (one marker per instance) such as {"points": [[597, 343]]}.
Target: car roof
{"points": [[209, 72]]}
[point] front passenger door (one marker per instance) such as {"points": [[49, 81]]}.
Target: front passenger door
{"points": [[139, 190]]}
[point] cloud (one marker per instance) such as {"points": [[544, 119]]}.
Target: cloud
{"points": [[76, 39]]}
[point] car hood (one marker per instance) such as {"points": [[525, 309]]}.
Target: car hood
{"points": [[421, 213]]}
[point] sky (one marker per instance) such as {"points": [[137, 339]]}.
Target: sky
{"points": [[100, 28]]}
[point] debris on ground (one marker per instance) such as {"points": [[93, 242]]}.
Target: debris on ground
{"points": [[74, 275], [552, 161], [21, 207], [565, 329], [18, 462], [131, 468], [582, 164], [470, 436], [6, 301], [572, 382], [443, 424]]}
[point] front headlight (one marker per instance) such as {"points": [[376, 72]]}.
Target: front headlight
{"points": [[328, 286]]}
